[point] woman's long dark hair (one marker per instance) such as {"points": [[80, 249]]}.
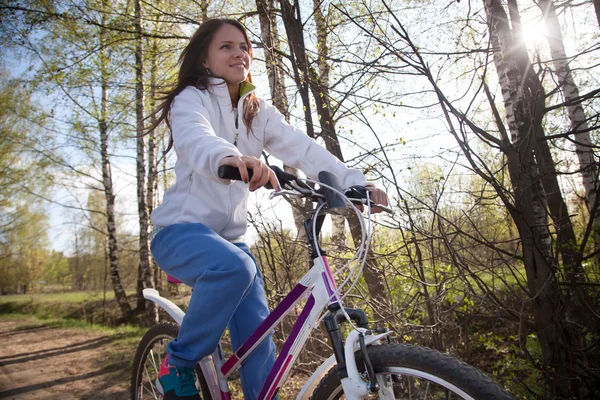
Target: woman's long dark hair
{"points": [[193, 73]]}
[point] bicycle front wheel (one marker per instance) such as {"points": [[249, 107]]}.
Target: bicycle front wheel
{"points": [[413, 372], [146, 364]]}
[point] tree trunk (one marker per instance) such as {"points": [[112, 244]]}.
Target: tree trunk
{"points": [[292, 23], [111, 226], [579, 125], [536, 96], [530, 207], [145, 273], [204, 9], [274, 64], [294, 29], [152, 156], [77, 280], [307, 78], [338, 236], [113, 247], [273, 59]]}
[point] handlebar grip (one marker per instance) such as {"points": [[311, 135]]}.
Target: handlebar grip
{"points": [[233, 173], [229, 172]]}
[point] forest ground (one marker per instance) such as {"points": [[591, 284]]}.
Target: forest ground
{"points": [[42, 361], [71, 346]]}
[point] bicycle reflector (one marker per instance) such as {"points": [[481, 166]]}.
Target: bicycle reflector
{"points": [[335, 203]]}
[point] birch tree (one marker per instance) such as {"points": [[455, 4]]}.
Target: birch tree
{"points": [[146, 279], [275, 66], [530, 213], [107, 179]]}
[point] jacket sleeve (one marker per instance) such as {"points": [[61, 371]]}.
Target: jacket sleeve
{"points": [[194, 138], [296, 149]]}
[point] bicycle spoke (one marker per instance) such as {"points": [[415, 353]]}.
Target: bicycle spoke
{"points": [[151, 370], [416, 387], [395, 386], [152, 359], [150, 391], [150, 384]]}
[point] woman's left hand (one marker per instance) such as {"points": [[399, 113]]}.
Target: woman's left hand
{"points": [[377, 196]]}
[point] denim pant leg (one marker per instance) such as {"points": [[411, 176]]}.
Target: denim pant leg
{"points": [[228, 290], [248, 316], [221, 275]]}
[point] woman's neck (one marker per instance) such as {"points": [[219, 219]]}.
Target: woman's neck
{"points": [[234, 93]]}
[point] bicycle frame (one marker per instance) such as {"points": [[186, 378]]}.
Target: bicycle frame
{"points": [[318, 287]]}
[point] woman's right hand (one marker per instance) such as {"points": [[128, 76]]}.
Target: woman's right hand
{"points": [[261, 172]]}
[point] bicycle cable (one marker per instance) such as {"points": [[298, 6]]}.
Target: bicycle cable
{"points": [[360, 256]]}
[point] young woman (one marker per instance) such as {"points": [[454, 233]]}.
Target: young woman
{"points": [[216, 119]]}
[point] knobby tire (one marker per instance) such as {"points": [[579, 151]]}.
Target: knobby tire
{"points": [[400, 365]]}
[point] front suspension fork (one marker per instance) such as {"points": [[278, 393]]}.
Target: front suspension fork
{"points": [[352, 382]]}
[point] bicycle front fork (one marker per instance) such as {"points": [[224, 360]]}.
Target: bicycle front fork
{"points": [[354, 386]]}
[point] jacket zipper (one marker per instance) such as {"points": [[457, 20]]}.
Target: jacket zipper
{"points": [[237, 132]]}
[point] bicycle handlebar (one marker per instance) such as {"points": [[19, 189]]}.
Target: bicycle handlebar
{"points": [[356, 194]]}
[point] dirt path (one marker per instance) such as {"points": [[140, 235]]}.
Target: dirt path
{"points": [[44, 362]]}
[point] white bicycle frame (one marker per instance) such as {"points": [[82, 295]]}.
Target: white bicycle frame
{"points": [[319, 289]]}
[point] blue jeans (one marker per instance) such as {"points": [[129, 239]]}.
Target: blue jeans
{"points": [[228, 292]]}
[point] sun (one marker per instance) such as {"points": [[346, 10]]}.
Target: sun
{"points": [[533, 32]]}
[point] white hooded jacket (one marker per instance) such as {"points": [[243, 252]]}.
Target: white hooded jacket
{"points": [[204, 130]]}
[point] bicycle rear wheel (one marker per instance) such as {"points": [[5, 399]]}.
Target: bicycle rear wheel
{"points": [[146, 364], [413, 372]]}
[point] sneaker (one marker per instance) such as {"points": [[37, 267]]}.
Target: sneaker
{"points": [[178, 383]]}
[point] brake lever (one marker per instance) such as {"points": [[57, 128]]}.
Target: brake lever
{"points": [[285, 192], [295, 190]]}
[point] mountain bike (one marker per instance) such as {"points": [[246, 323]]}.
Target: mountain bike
{"points": [[364, 364]]}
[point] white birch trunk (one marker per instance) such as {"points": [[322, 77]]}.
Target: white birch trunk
{"points": [[111, 227], [579, 125], [145, 274]]}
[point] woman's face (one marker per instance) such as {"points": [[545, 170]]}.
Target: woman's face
{"points": [[228, 56]]}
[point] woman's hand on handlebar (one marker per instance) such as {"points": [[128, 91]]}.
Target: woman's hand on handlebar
{"points": [[376, 196], [261, 172]]}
